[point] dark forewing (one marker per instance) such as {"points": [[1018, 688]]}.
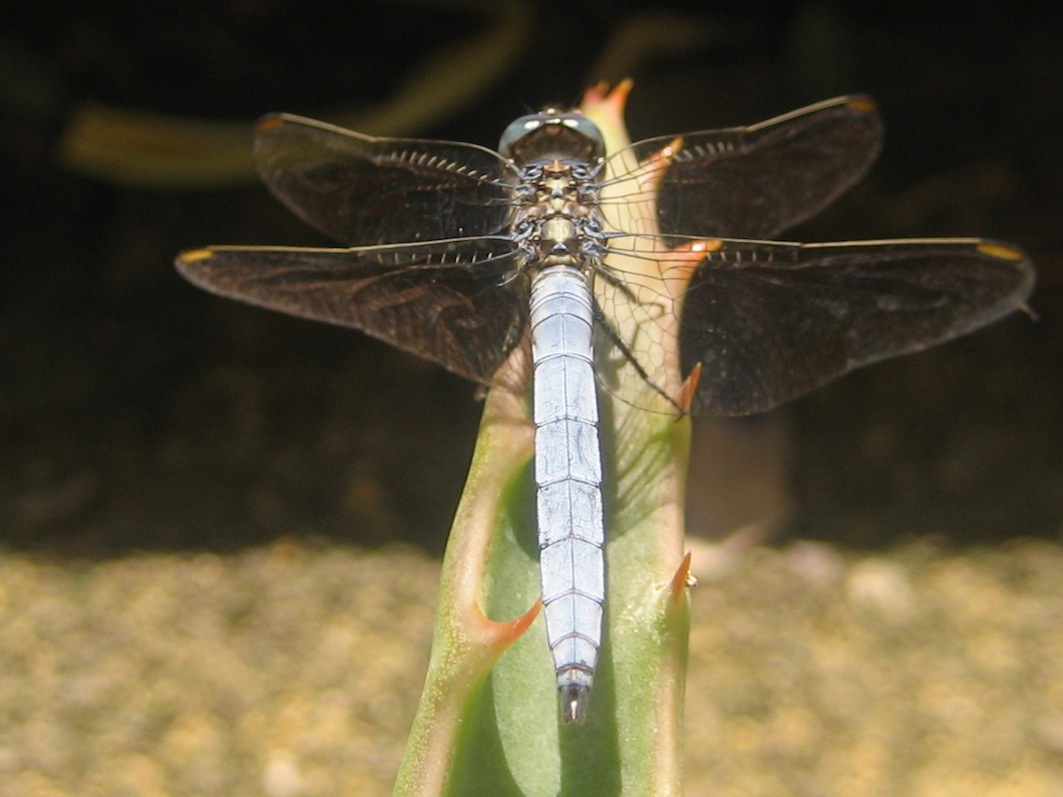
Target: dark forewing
{"points": [[365, 191], [753, 182], [769, 322], [447, 301]]}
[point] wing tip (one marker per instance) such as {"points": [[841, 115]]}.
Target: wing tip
{"points": [[269, 123], [194, 256], [1000, 251], [1016, 259], [862, 104]]}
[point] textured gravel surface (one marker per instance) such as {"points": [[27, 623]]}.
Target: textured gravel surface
{"points": [[291, 671]]}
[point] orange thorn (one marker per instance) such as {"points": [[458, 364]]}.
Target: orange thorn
{"points": [[686, 259], [600, 94], [618, 96], [689, 389], [500, 635], [667, 152], [682, 580], [654, 166], [595, 94]]}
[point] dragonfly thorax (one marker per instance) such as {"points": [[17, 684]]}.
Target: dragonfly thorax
{"points": [[556, 219]]}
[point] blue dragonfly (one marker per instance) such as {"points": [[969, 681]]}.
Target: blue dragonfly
{"points": [[465, 255]]}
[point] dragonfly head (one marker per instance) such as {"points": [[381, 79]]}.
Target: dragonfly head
{"points": [[552, 134]]}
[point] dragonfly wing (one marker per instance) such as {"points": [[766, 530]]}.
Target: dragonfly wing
{"points": [[753, 182], [363, 190], [453, 302], [771, 321]]}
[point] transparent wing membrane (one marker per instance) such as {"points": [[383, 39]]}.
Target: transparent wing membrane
{"points": [[362, 190], [771, 321], [455, 302], [753, 182], [767, 321]]}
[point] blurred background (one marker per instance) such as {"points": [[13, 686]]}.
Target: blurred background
{"points": [[213, 519]]}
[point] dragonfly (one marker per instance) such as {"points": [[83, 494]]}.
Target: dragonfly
{"points": [[464, 255]]}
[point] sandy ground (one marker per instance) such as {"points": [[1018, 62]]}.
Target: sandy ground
{"points": [[294, 670]]}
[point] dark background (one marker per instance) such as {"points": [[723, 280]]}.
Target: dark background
{"points": [[139, 413]]}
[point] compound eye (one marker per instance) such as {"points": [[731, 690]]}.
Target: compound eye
{"points": [[517, 130], [586, 128], [552, 134]]}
